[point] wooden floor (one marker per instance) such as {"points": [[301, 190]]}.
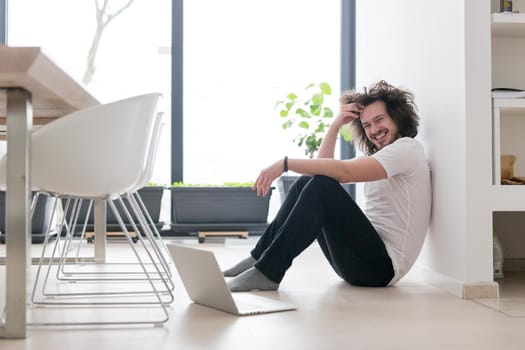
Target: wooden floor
{"points": [[330, 315]]}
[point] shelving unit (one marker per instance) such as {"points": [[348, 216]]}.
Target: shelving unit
{"points": [[508, 127], [508, 123]]}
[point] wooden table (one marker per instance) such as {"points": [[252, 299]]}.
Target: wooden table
{"points": [[33, 88]]}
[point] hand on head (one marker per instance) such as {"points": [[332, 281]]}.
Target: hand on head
{"points": [[348, 112]]}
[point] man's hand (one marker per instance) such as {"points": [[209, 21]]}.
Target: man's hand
{"points": [[347, 113], [265, 179]]}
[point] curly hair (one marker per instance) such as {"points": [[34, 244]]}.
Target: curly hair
{"points": [[399, 105]]}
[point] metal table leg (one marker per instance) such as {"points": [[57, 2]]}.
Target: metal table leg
{"points": [[18, 199]]}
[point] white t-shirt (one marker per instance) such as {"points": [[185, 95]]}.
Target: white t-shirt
{"points": [[399, 206]]}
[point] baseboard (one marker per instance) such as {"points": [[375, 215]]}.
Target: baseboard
{"points": [[478, 290], [443, 282], [481, 290]]}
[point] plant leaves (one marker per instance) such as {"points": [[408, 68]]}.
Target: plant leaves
{"points": [[303, 113], [346, 132], [309, 106], [316, 110], [304, 125], [325, 88], [327, 112], [225, 184], [321, 127], [318, 99], [312, 144], [288, 124], [309, 86]]}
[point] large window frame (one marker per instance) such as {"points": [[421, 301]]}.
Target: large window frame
{"points": [[177, 137], [348, 67], [3, 22]]}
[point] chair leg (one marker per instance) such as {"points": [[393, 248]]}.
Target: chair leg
{"points": [[100, 276], [58, 255], [43, 253], [149, 229], [146, 272], [156, 248], [161, 275], [156, 234], [68, 226]]}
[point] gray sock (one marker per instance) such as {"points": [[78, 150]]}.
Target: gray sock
{"points": [[250, 280], [241, 266]]}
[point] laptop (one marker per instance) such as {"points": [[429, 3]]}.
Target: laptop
{"points": [[205, 284]]}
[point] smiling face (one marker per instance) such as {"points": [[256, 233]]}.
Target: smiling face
{"points": [[379, 126]]}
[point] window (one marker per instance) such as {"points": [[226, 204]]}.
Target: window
{"points": [[240, 57]]}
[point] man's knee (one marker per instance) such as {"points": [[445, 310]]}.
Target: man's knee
{"points": [[324, 180], [300, 183], [303, 179]]}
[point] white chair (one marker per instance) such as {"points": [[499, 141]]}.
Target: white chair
{"points": [[145, 224], [103, 152]]}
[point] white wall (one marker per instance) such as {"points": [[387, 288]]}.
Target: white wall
{"points": [[478, 117], [420, 45]]}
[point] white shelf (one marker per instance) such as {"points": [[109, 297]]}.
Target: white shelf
{"points": [[507, 107], [508, 25], [508, 198], [510, 104]]}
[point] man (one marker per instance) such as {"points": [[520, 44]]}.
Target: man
{"points": [[374, 247]]}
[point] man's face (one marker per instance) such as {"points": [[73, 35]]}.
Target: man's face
{"points": [[379, 126]]}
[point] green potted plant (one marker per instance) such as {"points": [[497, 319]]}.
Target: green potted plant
{"points": [[232, 206], [308, 115]]}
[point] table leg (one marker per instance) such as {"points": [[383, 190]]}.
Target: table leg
{"points": [[18, 199]]}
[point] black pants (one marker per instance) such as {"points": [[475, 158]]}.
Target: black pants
{"points": [[319, 208]]}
